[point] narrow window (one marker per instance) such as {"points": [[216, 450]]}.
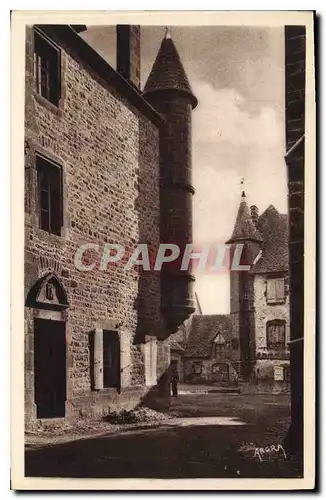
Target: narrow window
{"points": [[276, 335], [49, 177], [47, 68], [111, 359]]}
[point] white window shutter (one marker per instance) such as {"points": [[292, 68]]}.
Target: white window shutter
{"points": [[98, 359], [271, 291], [280, 289], [154, 361], [150, 359]]}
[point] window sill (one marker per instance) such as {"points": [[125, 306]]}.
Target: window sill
{"points": [[52, 238], [49, 105], [276, 302]]}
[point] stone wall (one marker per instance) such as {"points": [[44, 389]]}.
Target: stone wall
{"points": [[265, 312], [109, 154]]}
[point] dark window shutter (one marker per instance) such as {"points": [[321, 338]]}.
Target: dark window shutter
{"points": [[111, 359]]}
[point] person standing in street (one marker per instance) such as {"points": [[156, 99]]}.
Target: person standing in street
{"points": [[174, 378]]}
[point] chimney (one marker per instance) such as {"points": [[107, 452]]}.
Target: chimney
{"points": [[128, 53], [254, 214]]}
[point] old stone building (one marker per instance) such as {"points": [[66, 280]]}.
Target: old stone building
{"points": [[260, 296], [208, 352], [179, 340], [104, 164]]}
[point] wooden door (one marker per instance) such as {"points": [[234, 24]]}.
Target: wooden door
{"points": [[50, 368]]}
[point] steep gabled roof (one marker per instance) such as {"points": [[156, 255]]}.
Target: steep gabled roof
{"points": [[273, 226], [168, 72], [204, 329], [244, 228]]}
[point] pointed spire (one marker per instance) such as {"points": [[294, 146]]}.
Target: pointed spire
{"points": [[197, 305], [168, 72], [167, 33], [244, 228]]}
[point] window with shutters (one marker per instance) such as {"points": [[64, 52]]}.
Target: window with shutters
{"points": [[276, 335], [275, 292], [47, 68], [49, 178]]}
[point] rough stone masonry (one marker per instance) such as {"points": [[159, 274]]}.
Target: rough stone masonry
{"points": [[104, 138]]}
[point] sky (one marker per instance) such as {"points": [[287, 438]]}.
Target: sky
{"points": [[237, 75]]}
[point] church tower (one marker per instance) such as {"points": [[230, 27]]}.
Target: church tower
{"points": [[244, 233], [169, 92]]}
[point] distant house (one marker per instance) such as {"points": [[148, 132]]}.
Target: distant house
{"points": [[178, 341], [208, 352], [259, 298], [177, 352]]}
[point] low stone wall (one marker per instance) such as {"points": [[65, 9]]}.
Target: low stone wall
{"points": [[96, 404]]}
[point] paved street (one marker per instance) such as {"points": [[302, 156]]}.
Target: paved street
{"points": [[216, 436]]}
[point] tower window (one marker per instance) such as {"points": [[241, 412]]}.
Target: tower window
{"points": [[276, 335], [47, 68], [49, 177], [275, 292]]}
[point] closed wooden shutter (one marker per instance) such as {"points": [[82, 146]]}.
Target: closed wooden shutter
{"points": [[271, 290], [279, 289]]}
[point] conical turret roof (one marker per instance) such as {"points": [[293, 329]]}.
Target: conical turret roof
{"points": [[168, 72], [244, 228]]}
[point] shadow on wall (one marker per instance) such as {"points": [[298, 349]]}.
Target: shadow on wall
{"points": [[158, 397], [150, 322], [147, 206]]}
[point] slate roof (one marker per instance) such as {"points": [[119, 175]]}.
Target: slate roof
{"points": [[244, 228], [168, 72], [274, 228], [204, 329]]}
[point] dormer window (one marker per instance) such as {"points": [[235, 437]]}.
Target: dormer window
{"points": [[219, 345], [275, 292]]}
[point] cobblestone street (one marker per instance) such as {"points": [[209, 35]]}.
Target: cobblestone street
{"points": [[214, 435]]}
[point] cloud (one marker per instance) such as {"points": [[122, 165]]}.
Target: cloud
{"points": [[221, 116], [231, 141]]}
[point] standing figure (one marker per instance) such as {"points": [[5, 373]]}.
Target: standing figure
{"points": [[174, 378]]}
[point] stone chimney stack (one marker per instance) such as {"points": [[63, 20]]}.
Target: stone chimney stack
{"points": [[128, 53], [254, 214]]}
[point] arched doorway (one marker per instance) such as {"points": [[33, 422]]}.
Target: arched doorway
{"points": [[49, 301]]}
